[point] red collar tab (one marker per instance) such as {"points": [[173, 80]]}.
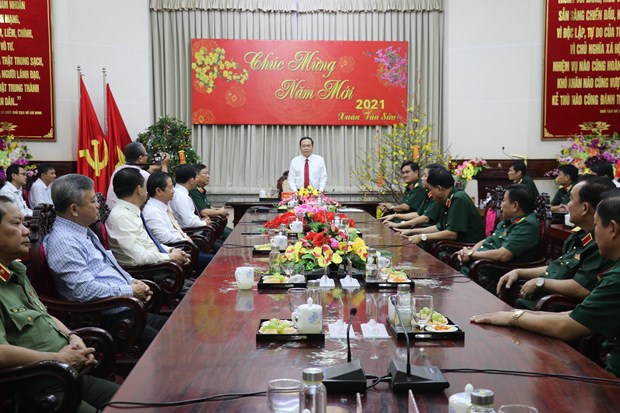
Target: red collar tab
{"points": [[587, 239], [5, 274]]}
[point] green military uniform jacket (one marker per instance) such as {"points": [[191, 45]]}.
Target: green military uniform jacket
{"points": [[24, 320], [580, 261], [562, 196], [414, 195], [460, 215], [201, 201], [529, 182], [600, 312], [520, 236], [431, 209]]}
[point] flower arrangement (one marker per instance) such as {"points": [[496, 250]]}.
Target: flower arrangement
{"points": [[467, 170], [320, 249], [378, 173], [12, 151], [311, 198], [590, 146]]}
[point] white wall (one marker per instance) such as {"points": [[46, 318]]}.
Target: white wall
{"points": [[494, 75], [93, 34]]}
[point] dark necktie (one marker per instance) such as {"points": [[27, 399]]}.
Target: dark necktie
{"points": [[93, 238], [148, 231], [307, 174]]}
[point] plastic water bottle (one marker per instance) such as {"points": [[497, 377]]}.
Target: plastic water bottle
{"points": [[372, 271], [274, 259], [482, 401], [403, 301], [313, 395]]}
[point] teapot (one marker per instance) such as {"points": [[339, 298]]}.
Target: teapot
{"points": [[308, 318], [297, 226], [280, 241]]}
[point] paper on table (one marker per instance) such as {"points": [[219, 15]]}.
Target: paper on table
{"points": [[372, 329], [339, 330], [347, 209]]}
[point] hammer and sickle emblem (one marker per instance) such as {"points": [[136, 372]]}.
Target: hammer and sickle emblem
{"points": [[96, 163], [121, 157]]}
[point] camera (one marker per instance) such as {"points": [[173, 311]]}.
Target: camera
{"points": [[157, 158]]}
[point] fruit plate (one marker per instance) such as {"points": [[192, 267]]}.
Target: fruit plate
{"points": [[454, 332], [262, 337], [278, 286], [381, 284], [261, 251]]}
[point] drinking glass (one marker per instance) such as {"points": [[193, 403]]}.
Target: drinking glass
{"points": [[422, 309], [283, 395], [287, 267], [296, 297], [384, 265], [517, 408]]}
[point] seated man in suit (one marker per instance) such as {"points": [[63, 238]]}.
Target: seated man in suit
{"points": [[568, 175], [459, 221], [41, 190], [598, 313], [517, 173], [159, 217], [182, 206], [426, 215], [414, 193], [201, 200], [27, 332], [573, 274], [82, 269], [603, 168], [16, 178], [515, 238], [130, 239]]}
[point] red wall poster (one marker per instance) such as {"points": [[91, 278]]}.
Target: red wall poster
{"points": [[26, 80], [582, 66], [283, 82]]}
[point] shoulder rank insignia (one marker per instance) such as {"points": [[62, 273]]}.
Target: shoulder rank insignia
{"points": [[4, 273], [587, 239]]}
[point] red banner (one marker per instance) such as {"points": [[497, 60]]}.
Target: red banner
{"points": [[582, 66], [283, 82], [26, 79]]}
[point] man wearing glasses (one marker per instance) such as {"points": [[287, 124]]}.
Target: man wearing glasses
{"points": [[136, 157], [16, 178]]}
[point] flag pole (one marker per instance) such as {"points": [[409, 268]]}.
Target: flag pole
{"points": [[105, 102], [79, 71]]}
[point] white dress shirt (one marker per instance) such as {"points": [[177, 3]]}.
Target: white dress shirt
{"points": [[156, 215], [40, 193], [16, 197], [183, 208], [111, 197], [128, 239], [318, 172]]}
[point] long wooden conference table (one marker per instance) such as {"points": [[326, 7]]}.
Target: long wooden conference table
{"points": [[209, 345]]}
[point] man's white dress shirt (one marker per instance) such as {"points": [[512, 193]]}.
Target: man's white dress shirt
{"points": [[128, 239], [40, 193], [16, 197], [317, 169], [111, 197], [183, 208], [156, 215]]}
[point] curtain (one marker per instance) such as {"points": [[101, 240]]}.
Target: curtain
{"points": [[243, 159]]}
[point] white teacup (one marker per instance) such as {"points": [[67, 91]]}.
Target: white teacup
{"points": [[308, 318], [297, 226], [244, 277], [280, 241]]}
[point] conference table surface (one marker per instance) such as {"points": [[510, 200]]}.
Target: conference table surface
{"points": [[209, 345]]}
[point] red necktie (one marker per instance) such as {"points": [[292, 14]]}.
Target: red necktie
{"points": [[307, 174]]}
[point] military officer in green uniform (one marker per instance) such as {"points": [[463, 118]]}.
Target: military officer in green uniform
{"points": [[568, 175], [515, 238], [598, 313], [574, 273], [414, 193], [426, 215], [201, 200], [517, 173], [459, 221], [27, 332]]}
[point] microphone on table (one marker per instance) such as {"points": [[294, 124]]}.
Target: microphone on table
{"points": [[349, 377], [419, 379]]}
